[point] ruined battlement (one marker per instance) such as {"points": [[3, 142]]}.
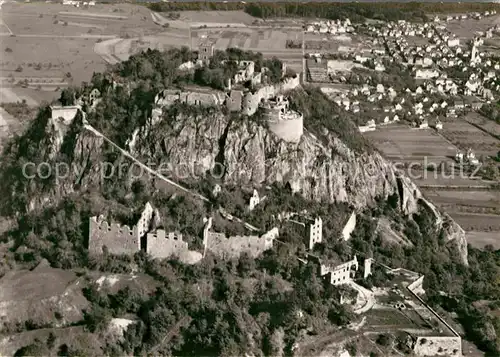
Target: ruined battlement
{"points": [[116, 238], [101, 224], [163, 245], [315, 232], [339, 274], [233, 247], [285, 123], [438, 346], [349, 227], [196, 96], [250, 103]]}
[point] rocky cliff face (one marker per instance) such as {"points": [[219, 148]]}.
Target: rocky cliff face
{"points": [[320, 168], [50, 161], [245, 152], [251, 155]]}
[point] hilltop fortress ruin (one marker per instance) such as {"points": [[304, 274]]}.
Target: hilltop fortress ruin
{"points": [[233, 247], [269, 98], [119, 239]]}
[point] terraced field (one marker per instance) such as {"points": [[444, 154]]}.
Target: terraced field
{"points": [[474, 203]]}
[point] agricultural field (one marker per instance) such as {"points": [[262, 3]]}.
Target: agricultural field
{"points": [[212, 19], [233, 29], [334, 43], [266, 39], [472, 202], [479, 222], [469, 200], [484, 124], [478, 212], [50, 46], [466, 29], [481, 239], [405, 145], [46, 47], [270, 41], [464, 135]]}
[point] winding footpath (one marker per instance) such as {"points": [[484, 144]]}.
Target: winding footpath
{"points": [[222, 211]]}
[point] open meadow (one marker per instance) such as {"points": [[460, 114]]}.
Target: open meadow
{"points": [[467, 29]]}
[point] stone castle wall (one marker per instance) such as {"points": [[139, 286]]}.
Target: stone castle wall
{"points": [[116, 238], [67, 113], [315, 232], [289, 83], [168, 97], [162, 245], [417, 286], [340, 274], [145, 220], [233, 247], [251, 101]]}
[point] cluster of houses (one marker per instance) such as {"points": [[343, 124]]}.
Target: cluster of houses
{"points": [[472, 15], [438, 91], [468, 158], [442, 53], [432, 62], [78, 3], [330, 27], [433, 65], [403, 28]]}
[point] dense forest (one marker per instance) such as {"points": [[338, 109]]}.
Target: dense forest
{"points": [[357, 12]]}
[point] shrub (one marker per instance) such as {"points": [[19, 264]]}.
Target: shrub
{"points": [[384, 340]]}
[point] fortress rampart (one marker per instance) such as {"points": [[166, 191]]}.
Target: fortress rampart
{"points": [[116, 238], [438, 346], [164, 245], [290, 130], [285, 123], [233, 247], [67, 113], [251, 101]]}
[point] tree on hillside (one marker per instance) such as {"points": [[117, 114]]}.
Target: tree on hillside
{"points": [[68, 96]]}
